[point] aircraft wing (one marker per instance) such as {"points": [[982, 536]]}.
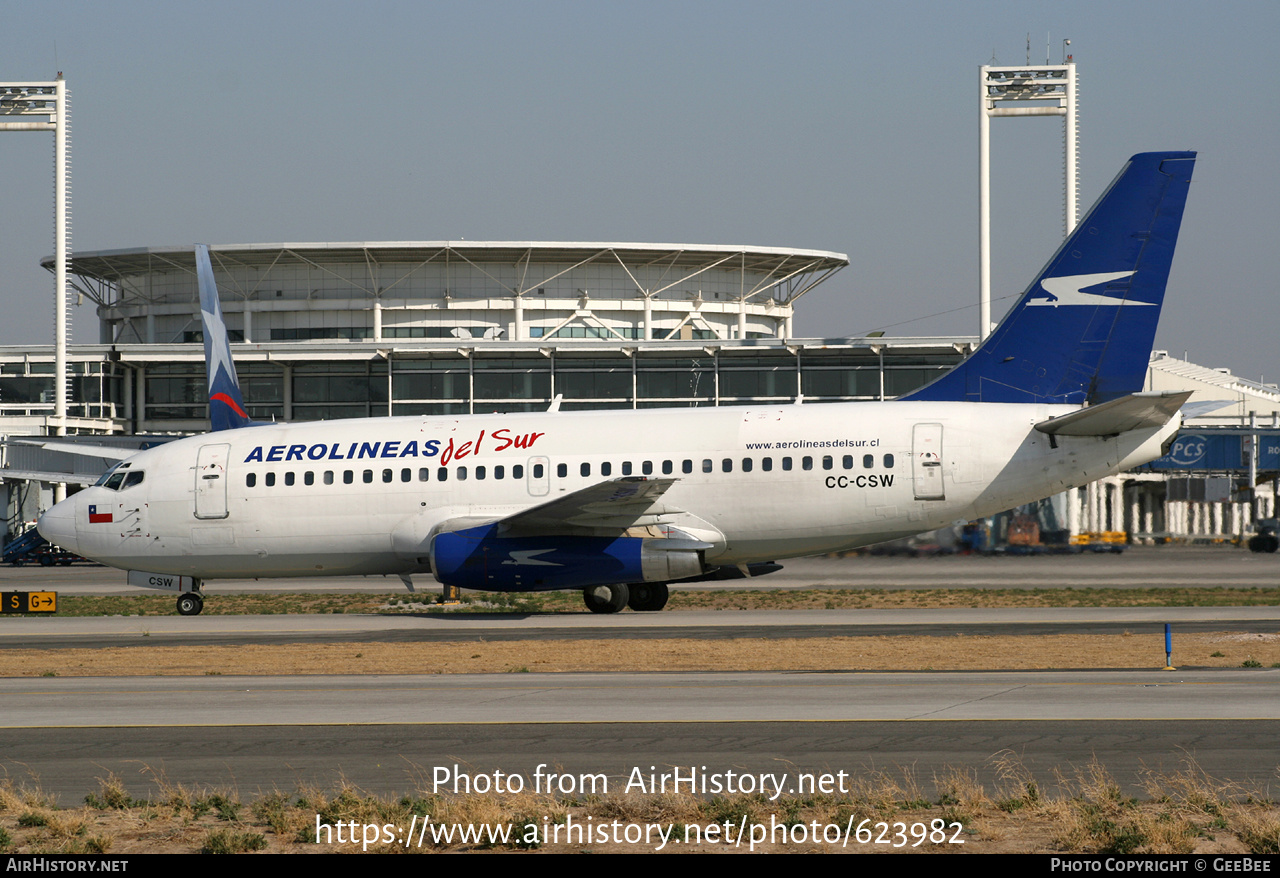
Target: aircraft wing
{"points": [[1137, 411], [616, 504], [104, 451], [53, 478], [606, 507]]}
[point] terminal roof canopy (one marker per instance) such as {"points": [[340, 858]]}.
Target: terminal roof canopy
{"points": [[111, 265]]}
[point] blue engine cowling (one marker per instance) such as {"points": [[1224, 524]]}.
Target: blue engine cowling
{"points": [[477, 558]]}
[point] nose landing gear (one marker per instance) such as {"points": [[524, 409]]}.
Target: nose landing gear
{"points": [[190, 604]]}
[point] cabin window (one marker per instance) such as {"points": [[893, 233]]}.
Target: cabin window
{"points": [[480, 473], [387, 476], [270, 480], [827, 461], [626, 467], [707, 465], [766, 464], [562, 470], [288, 479], [585, 469], [786, 464], [328, 477], [462, 473], [667, 469], [848, 461], [368, 477], [250, 480], [348, 476], [647, 467], [499, 472], [424, 474], [517, 471], [888, 461], [686, 467], [726, 465], [442, 474], [746, 464], [309, 478], [606, 468], [537, 470], [406, 475], [868, 461], [806, 463]]}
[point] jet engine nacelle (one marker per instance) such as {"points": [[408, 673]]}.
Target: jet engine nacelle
{"points": [[477, 558]]}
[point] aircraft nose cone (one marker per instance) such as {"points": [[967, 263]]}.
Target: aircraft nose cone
{"points": [[58, 525]]}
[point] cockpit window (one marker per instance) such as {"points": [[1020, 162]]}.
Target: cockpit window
{"points": [[102, 479], [120, 477]]}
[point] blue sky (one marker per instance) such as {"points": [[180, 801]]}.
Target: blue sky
{"points": [[839, 126]]}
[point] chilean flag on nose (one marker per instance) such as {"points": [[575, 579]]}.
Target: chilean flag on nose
{"points": [[96, 517]]}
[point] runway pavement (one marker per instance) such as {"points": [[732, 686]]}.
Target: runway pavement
{"points": [[1137, 567], [390, 734]]}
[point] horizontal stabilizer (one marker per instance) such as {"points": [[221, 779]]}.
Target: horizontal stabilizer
{"points": [[1138, 411], [1205, 407]]}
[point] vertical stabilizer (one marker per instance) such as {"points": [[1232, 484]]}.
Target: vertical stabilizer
{"points": [[1082, 332], [226, 406]]}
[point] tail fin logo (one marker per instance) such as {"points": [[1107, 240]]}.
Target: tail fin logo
{"points": [[219, 350], [223, 386], [1070, 290], [1071, 338], [223, 398]]}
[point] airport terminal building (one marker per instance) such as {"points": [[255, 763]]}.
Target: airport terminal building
{"points": [[325, 331]]}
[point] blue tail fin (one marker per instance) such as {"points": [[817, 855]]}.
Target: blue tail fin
{"points": [[1083, 330], [226, 406]]}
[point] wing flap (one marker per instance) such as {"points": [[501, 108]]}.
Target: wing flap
{"points": [[613, 506], [616, 504]]}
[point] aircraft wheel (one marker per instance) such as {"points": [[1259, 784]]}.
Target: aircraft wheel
{"points": [[1264, 542], [190, 604], [605, 598], [648, 596]]}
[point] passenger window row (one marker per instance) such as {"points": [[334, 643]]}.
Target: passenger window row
{"points": [[499, 472]]}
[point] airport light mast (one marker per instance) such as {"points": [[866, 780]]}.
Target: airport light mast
{"points": [[1010, 92], [18, 101]]}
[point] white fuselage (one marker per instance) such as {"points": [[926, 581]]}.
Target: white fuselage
{"points": [[757, 484]]}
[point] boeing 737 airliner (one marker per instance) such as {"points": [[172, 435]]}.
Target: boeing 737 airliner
{"points": [[619, 504]]}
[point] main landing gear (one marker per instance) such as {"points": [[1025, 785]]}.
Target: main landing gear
{"points": [[640, 596], [648, 596], [190, 603]]}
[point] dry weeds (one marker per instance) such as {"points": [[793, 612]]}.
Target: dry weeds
{"points": [[961, 652], [1086, 811]]}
